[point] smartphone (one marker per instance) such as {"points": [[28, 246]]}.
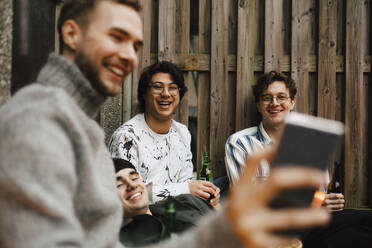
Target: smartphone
{"points": [[306, 141]]}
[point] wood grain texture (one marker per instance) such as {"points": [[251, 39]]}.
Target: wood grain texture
{"points": [[182, 37], [300, 53], [167, 27], [219, 79], [202, 62], [246, 39], [273, 34], [327, 90], [327, 59], [144, 58], [204, 41], [355, 166]]}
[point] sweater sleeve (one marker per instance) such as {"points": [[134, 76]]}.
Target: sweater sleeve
{"points": [[38, 182]]}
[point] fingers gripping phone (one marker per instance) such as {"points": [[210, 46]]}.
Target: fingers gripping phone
{"points": [[306, 141]]}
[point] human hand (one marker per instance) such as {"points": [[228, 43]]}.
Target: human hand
{"points": [[205, 190], [253, 221], [334, 202]]}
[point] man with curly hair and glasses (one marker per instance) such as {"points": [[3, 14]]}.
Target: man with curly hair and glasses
{"points": [[156, 144]]}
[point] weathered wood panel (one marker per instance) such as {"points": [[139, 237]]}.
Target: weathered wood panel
{"points": [[300, 52], [183, 46], [219, 79], [202, 62], [204, 41], [144, 57], [273, 34], [327, 59], [245, 64], [326, 64], [167, 22], [355, 167]]}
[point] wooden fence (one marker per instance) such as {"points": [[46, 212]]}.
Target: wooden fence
{"points": [[224, 45]]}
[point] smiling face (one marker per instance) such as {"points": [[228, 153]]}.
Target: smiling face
{"points": [[273, 113], [105, 48], [132, 192], [160, 106]]}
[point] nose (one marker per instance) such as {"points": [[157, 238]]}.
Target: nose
{"points": [[165, 92], [128, 55], [274, 101], [131, 185]]}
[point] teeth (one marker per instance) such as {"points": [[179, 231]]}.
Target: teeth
{"points": [[134, 196], [164, 103], [275, 111], [117, 70]]}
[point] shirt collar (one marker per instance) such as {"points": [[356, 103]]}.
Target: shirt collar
{"points": [[263, 134]]}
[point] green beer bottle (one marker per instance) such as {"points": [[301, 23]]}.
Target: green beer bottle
{"points": [[206, 172], [171, 221]]}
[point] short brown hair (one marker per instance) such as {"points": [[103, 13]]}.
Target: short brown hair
{"points": [[268, 78], [78, 9]]}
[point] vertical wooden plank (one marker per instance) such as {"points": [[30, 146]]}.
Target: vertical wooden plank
{"points": [[300, 52], [327, 59], [327, 64], [369, 113], [126, 99], [144, 58], [246, 39], [219, 79], [167, 23], [203, 82], [355, 166], [183, 46], [273, 34]]}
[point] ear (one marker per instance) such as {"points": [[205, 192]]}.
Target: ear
{"points": [[72, 34], [293, 102], [258, 107]]}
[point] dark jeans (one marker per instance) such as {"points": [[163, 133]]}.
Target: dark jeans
{"points": [[348, 228], [224, 185]]}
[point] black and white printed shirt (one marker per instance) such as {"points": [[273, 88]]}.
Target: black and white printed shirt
{"points": [[161, 159]]}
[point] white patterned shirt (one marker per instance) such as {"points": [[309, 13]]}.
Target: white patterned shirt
{"points": [[164, 160]]}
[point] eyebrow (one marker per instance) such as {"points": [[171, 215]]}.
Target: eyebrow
{"points": [[158, 82], [133, 173], [130, 173], [125, 33]]}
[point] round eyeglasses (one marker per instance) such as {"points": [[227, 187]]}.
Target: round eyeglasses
{"points": [[267, 99], [158, 89]]}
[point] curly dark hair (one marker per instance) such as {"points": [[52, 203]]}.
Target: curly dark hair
{"points": [[78, 9], [146, 76], [268, 78]]}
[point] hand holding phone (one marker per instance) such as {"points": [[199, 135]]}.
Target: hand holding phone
{"points": [[306, 141]]}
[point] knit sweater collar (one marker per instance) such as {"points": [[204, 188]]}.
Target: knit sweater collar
{"points": [[62, 73]]}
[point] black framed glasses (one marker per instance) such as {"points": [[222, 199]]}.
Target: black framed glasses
{"points": [[158, 88], [267, 99]]}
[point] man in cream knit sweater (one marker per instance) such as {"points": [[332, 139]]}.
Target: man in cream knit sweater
{"points": [[57, 185]]}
